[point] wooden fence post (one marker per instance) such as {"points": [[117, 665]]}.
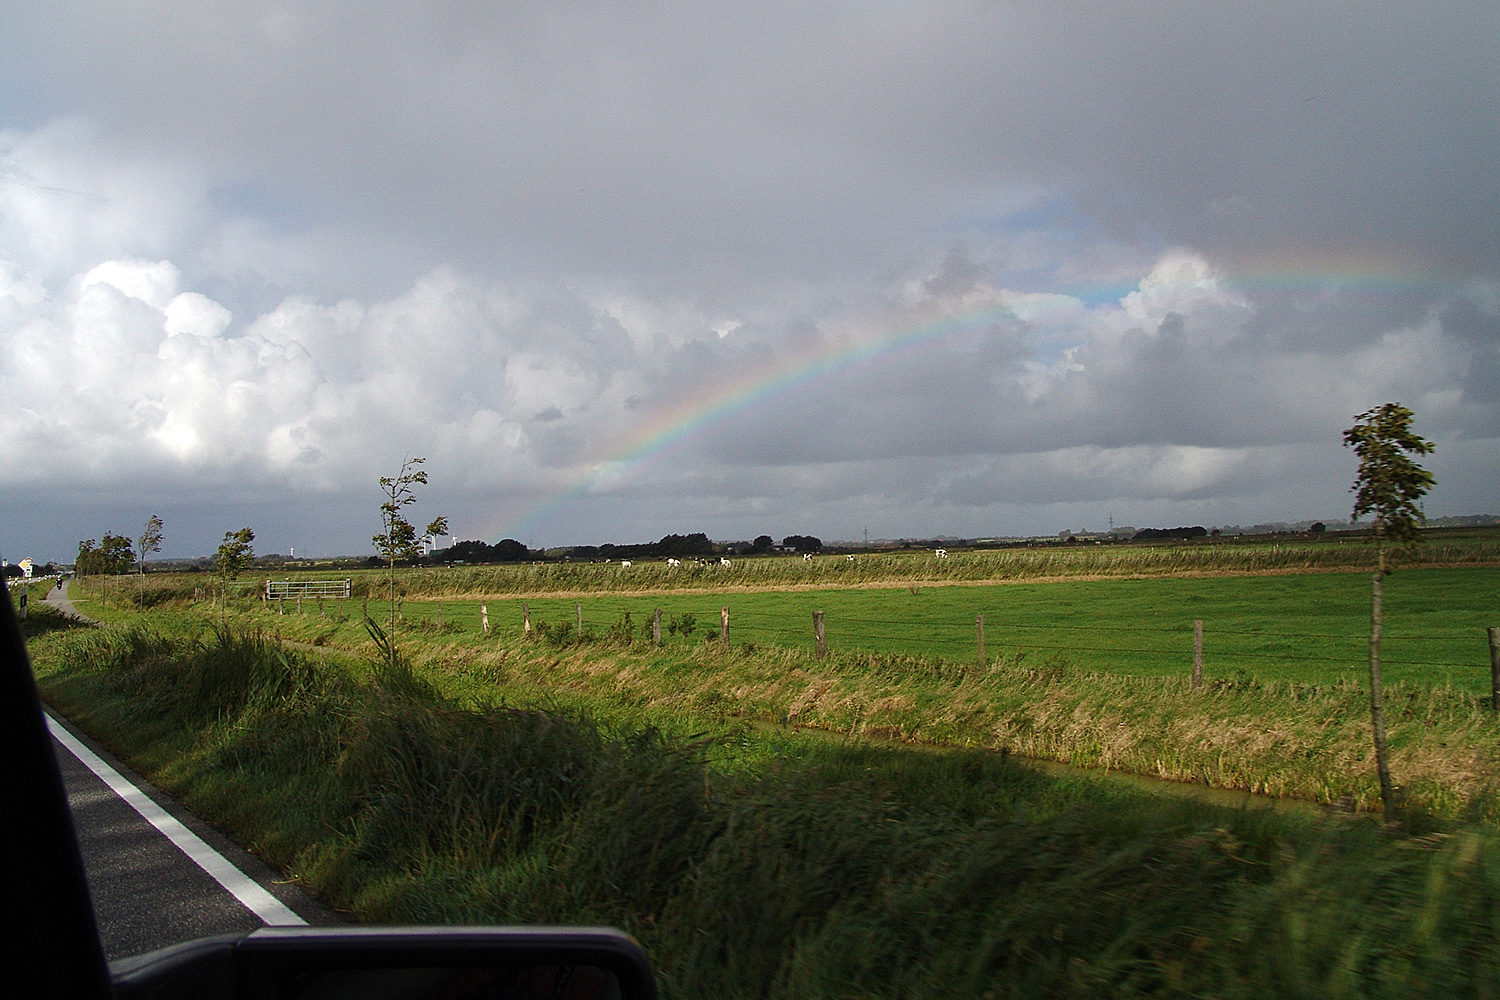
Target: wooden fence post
{"points": [[526, 618], [578, 610], [1494, 669], [484, 618], [299, 605], [724, 627], [820, 639], [979, 631], [440, 614], [656, 628], [321, 612], [281, 605], [1197, 654], [400, 615]]}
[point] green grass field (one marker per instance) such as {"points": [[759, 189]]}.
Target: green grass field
{"points": [[1293, 608], [1311, 628]]}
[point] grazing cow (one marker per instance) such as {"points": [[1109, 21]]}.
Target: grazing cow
{"points": [[674, 562], [850, 558], [624, 562], [723, 561], [807, 557], [942, 553]]}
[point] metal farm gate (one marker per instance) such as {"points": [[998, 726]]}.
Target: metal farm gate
{"points": [[306, 588]]}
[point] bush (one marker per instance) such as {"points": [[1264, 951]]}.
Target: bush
{"points": [[622, 632]]}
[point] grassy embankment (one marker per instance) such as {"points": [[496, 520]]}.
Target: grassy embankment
{"points": [[766, 864]]}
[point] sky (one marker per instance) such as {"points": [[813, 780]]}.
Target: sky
{"points": [[619, 270]]}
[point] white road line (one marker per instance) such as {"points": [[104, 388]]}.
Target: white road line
{"points": [[239, 885]]}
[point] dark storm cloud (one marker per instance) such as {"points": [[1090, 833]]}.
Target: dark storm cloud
{"points": [[1479, 331], [704, 142], [258, 246]]}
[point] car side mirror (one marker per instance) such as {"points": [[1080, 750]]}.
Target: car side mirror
{"points": [[394, 963]]}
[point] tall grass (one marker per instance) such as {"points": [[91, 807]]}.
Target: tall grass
{"points": [[769, 865]]}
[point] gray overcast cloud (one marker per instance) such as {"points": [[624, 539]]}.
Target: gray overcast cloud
{"points": [[619, 269]]}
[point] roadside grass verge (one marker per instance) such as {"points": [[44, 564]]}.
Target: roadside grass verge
{"points": [[769, 864]]}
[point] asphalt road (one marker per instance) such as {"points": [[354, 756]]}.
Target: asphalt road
{"points": [[147, 891]]}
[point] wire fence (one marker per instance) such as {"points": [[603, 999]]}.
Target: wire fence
{"points": [[1112, 646]]}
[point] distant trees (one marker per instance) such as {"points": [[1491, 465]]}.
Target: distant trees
{"points": [[467, 552], [1388, 485], [1146, 534], [676, 547], [696, 544], [505, 550], [111, 556]]}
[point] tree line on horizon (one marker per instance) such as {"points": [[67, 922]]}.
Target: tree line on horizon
{"points": [[667, 547]]}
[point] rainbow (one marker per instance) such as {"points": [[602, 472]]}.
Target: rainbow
{"points": [[669, 430], [672, 428]]}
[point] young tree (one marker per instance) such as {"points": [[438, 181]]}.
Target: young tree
{"points": [[1389, 485], [150, 541], [233, 558], [400, 540]]}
